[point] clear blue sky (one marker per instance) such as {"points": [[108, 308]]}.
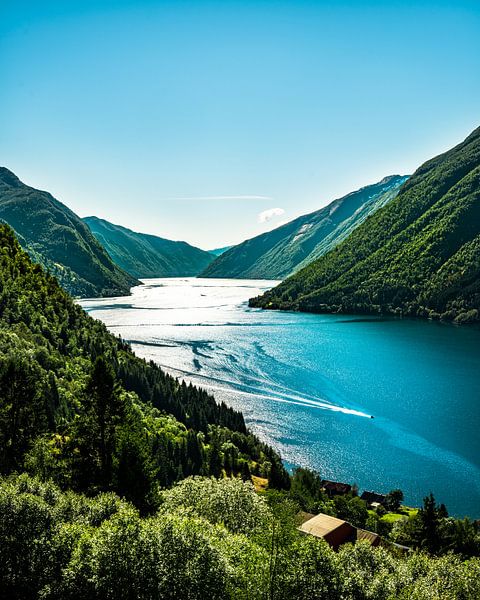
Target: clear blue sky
{"points": [[190, 119]]}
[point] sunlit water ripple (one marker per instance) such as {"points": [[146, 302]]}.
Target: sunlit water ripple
{"points": [[308, 384]]}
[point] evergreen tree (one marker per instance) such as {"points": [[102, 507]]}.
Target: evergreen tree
{"points": [[23, 414], [393, 500], [429, 517], [103, 407]]}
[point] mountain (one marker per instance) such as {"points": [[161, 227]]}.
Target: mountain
{"points": [[219, 251], [278, 253], [56, 237], [419, 255], [144, 255]]}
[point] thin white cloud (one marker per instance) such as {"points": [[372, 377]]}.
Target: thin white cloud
{"points": [[268, 215], [241, 197]]}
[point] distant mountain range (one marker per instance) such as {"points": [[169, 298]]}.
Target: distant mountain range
{"points": [[219, 251], [419, 255], [57, 238], [282, 251], [142, 255]]}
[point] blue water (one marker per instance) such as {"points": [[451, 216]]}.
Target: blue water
{"points": [[308, 384]]}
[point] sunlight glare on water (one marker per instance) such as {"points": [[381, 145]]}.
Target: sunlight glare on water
{"points": [[308, 384]]}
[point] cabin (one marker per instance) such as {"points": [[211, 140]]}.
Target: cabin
{"points": [[334, 531], [369, 536], [373, 499], [335, 488]]}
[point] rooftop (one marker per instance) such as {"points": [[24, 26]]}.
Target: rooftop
{"points": [[321, 525], [336, 531]]}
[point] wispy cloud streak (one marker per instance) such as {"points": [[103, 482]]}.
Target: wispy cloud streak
{"points": [[240, 197]]}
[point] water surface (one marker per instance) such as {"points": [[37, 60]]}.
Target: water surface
{"points": [[309, 384]]}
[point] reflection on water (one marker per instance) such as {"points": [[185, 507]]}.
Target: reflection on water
{"points": [[308, 384]]}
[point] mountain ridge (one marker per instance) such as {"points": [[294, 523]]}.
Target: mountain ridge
{"points": [[58, 239], [144, 255], [418, 256], [285, 249]]}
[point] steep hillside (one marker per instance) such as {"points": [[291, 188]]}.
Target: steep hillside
{"points": [[78, 406], [419, 255], [278, 253], [144, 255], [57, 238]]}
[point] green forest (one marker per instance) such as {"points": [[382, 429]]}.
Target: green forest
{"points": [[118, 481], [417, 256], [78, 406], [208, 539]]}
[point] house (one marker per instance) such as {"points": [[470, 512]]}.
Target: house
{"points": [[334, 531], [368, 536], [372, 498], [335, 488]]}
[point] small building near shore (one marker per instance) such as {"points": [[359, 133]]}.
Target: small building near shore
{"points": [[368, 536], [334, 531], [372, 498], [335, 488]]}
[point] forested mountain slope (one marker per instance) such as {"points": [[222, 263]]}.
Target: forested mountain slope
{"points": [[144, 255], [56, 237], [78, 406], [278, 253], [419, 255]]}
